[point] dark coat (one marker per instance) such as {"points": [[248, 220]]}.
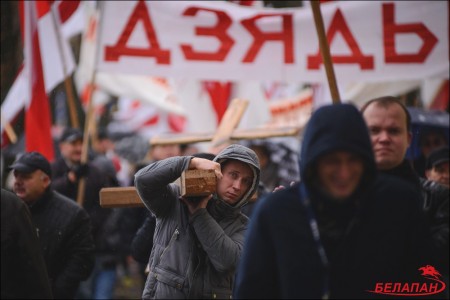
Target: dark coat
{"points": [[65, 237], [434, 201], [95, 180], [24, 274], [376, 235], [142, 243], [436, 208]]}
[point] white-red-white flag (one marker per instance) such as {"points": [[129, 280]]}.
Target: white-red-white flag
{"points": [[37, 116], [52, 30]]}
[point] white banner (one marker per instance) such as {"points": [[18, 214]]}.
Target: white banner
{"points": [[215, 40]]}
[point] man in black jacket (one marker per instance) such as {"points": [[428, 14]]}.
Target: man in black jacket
{"points": [[64, 228], [389, 126], [22, 262]]}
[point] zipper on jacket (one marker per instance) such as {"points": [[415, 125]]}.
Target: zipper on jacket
{"points": [[174, 237]]}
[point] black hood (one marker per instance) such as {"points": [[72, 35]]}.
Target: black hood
{"points": [[331, 128]]}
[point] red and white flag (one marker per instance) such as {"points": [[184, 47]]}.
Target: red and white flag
{"points": [[37, 116], [48, 60], [144, 119]]}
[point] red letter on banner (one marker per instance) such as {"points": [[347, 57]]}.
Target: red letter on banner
{"points": [[390, 29], [113, 53], [260, 37], [338, 24], [219, 31]]}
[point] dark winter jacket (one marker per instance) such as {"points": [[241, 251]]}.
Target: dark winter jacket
{"points": [[65, 236], [142, 243], [435, 205], [24, 274], [95, 180], [434, 202], [376, 236], [193, 256]]}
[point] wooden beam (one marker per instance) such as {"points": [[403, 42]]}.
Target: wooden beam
{"points": [[238, 134], [264, 133], [325, 51], [67, 77], [120, 197], [181, 138], [9, 130], [192, 183], [229, 122], [198, 183]]}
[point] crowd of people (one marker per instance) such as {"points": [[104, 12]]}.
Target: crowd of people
{"points": [[349, 214]]}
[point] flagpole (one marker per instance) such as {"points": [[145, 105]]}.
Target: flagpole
{"points": [[67, 79], [9, 130], [90, 113], [325, 51]]}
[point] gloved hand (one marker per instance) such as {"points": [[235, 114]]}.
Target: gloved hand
{"points": [[80, 170]]}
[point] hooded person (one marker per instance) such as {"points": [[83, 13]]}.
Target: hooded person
{"points": [[197, 243], [339, 231]]}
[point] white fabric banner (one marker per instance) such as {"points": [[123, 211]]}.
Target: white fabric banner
{"points": [[218, 40], [144, 88]]}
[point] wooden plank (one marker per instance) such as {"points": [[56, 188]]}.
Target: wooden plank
{"points": [[263, 133], [325, 52], [198, 183], [229, 122], [181, 138], [238, 134], [192, 183], [120, 197]]}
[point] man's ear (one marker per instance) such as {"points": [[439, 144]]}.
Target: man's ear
{"points": [[46, 179], [428, 173]]}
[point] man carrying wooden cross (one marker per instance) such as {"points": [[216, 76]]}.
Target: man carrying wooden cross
{"points": [[198, 241]]}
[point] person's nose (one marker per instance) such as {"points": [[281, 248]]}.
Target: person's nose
{"points": [[237, 184], [344, 172], [18, 180], [384, 137]]}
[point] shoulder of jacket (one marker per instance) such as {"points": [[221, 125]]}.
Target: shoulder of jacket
{"points": [[66, 202]]}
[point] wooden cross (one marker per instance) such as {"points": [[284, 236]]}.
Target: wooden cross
{"points": [[189, 181], [226, 132]]}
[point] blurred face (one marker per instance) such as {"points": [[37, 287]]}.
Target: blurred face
{"points": [[236, 181], [30, 186], [432, 141], [103, 146], [262, 155], [340, 173], [390, 137], [439, 173], [72, 151], [160, 152]]}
